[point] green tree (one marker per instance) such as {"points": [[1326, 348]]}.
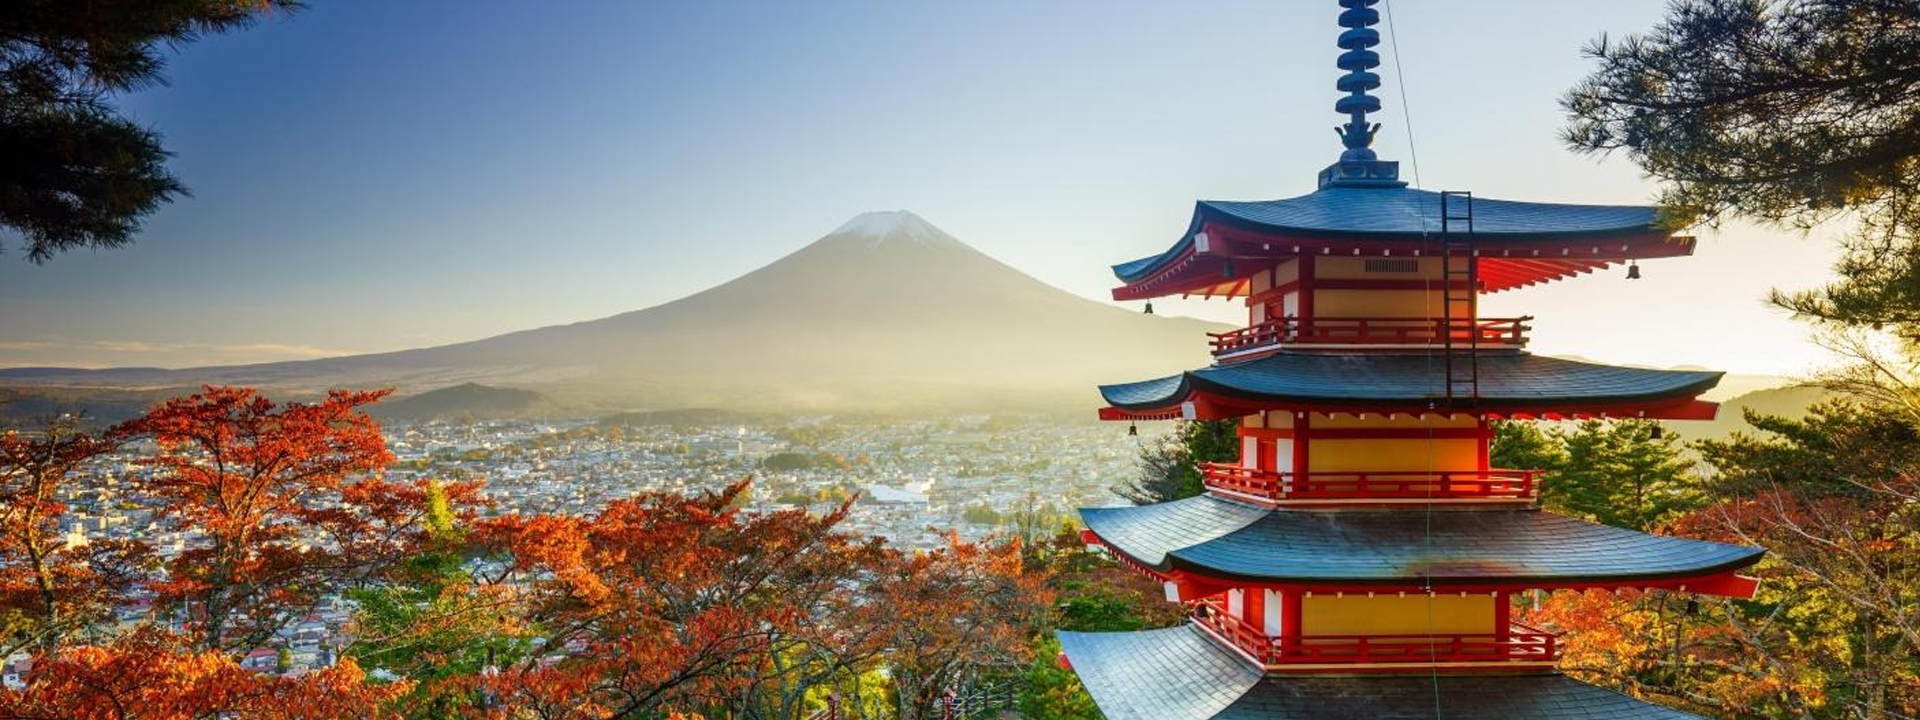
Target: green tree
{"points": [[1626, 473], [77, 172], [1093, 595], [1170, 467], [434, 622], [1519, 445], [1784, 111]]}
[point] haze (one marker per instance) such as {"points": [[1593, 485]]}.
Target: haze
{"points": [[377, 176]]}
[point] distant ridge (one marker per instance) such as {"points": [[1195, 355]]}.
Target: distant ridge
{"points": [[886, 313], [466, 400]]}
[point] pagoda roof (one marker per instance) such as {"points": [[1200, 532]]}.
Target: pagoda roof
{"points": [[1514, 383], [1179, 674], [1221, 539], [1521, 242]]}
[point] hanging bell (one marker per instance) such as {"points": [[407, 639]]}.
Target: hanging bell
{"points": [[1226, 268], [1693, 607], [1633, 270], [1133, 430], [1149, 307], [1659, 432]]}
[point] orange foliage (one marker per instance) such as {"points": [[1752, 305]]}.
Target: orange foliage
{"points": [[48, 588], [288, 502], [954, 612], [151, 675]]}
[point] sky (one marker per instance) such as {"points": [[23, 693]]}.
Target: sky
{"points": [[373, 176]]}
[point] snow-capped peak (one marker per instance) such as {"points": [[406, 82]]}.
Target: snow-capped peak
{"points": [[893, 225]]}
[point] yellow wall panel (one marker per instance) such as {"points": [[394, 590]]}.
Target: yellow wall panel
{"points": [[1387, 614], [1392, 455], [1377, 303]]}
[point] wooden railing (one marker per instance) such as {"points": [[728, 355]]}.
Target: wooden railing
{"points": [[1393, 485], [1519, 644], [1488, 332]]}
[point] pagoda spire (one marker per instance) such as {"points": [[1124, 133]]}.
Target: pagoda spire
{"points": [[1358, 166]]}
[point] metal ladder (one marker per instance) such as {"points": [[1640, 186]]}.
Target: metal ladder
{"points": [[1459, 282]]}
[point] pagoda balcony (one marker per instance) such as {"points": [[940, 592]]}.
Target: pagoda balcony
{"points": [[1520, 644], [1372, 332], [1271, 487]]}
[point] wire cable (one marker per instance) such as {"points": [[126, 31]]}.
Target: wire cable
{"points": [[1406, 110]]}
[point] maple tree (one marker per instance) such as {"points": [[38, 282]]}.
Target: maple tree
{"points": [[50, 587], [1834, 630], [658, 605], [151, 674], [958, 614], [284, 504], [664, 602]]}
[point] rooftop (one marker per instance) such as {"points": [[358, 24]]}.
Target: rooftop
{"points": [[1231, 541], [1178, 674], [1512, 382]]}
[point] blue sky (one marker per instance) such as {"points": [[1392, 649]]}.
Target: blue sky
{"points": [[380, 175]]}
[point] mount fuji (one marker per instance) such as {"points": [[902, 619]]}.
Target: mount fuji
{"points": [[887, 312]]}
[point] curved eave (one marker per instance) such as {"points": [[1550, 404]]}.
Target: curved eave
{"points": [[1514, 254], [1178, 674], [1516, 384], [1222, 541]]}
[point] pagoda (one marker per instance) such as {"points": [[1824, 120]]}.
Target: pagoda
{"points": [[1362, 559]]}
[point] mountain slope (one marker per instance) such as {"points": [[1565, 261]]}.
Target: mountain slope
{"points": [[465, 400], [886, 311]]}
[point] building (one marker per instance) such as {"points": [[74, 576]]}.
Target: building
{"points": [[1362, 559]]}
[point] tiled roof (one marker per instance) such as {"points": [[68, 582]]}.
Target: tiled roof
{"points": [[1178, 674], [1399, 213], [1170, 674], [1225, 539], [1510, 380]]}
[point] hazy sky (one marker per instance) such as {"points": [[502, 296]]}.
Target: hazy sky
{"points": [[380, 175]]}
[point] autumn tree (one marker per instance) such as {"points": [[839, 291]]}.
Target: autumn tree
{"points": [[960, 615], [1835, 498], [665, 602], [1833, 630], [78, 173], [49, 587], [283, 505], [154, 675]]}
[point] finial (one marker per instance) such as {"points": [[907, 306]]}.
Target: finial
{"points": [[1358, 166]]}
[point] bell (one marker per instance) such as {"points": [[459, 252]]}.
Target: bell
{"points": [[1659, 432], [1133, 430], [1693, 607], [1226, 268], [1149, 307], [1633, 271]]}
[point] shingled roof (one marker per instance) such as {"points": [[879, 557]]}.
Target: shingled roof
{"points": [[1516, 380], [1224, 539], [1397, 214], [1178, 674]]}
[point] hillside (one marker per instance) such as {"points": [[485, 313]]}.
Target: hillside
{"points": [[1791, 401], [466, 400]]}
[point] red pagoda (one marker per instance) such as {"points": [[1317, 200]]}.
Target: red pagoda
{"points": [[1361, 559]]}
